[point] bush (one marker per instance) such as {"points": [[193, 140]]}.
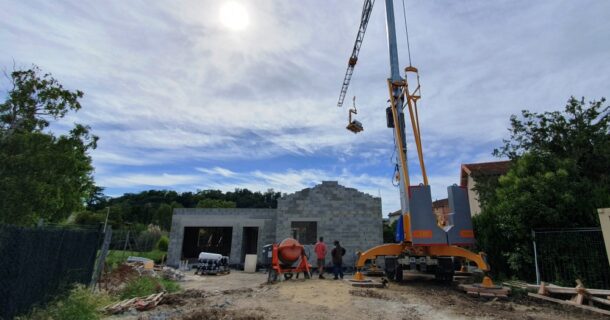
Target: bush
{"points": [[147, 240], [79, 304], [163, 244], [144, 286], [88, 218]]}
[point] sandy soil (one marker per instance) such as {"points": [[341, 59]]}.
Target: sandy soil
{"points": [[247, 296]]}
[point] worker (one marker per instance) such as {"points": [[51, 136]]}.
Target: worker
{"points": [[337, 254], [320, 249]]}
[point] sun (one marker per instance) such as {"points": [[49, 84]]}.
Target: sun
{"points": [[234, 15]]}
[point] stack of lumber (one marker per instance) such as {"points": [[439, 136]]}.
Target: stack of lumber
{"points": [[595, 298], [138, 303], [478, 290]]}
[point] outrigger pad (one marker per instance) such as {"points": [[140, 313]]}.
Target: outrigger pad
{"points": [[355, 126]]}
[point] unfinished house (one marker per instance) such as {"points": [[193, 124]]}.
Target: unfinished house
{"points": [[327, 210]]}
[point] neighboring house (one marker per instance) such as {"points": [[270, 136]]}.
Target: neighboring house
{"points": [[328, 210], [470, 172], [438, 206]]}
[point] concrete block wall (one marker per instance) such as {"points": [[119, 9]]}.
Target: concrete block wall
{"points": [[345, 214], [237, 218]]}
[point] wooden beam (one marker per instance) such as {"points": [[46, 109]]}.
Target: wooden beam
{"points": [[569, 303], [600, 300], [551, 288]]}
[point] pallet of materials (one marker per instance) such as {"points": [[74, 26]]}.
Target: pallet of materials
{"points": [[212, 264]]}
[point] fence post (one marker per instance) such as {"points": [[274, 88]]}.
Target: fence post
{"points": [[535, 257], [102, 258]]}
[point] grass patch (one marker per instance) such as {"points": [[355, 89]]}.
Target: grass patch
{"points": [[78, 304], [144, 286], [116, 257]]}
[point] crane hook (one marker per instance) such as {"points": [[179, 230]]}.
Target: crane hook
{"points": [[354, 126]]}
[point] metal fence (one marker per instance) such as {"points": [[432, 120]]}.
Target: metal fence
{"points": [[562, 256], [132, 240], [38, 264]]}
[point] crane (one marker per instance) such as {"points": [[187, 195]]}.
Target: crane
{"points": [[367, 8], [425, 242]]}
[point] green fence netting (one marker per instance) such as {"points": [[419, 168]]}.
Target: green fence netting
{"points": [[38, 264]]}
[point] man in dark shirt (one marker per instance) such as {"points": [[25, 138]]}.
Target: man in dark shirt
{"points": [[337, 254]]}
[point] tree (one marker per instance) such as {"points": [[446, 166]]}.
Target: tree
{"points": [[215, 203], [163, 216], [389, 232], [559, 177], [41, 175]]}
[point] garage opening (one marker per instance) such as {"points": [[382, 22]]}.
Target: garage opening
{"points": [[249, 244], [208, 239]]}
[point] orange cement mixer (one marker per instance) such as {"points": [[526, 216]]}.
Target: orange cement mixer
{"points": [[287, 259]]}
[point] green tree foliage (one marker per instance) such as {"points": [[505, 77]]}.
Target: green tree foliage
{"points": [[157, 206], [389, 232], [215, 203], [559, 177], [41, 175]]}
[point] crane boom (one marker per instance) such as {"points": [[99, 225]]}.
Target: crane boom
{"points": [[367, 8]]}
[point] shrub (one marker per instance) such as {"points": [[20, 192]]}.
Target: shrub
{"points": [[163, 243], [79, 304]]}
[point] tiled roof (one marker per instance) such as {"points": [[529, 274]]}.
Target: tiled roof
{"points": [[483, 168], [395, 213], [440, 203]]}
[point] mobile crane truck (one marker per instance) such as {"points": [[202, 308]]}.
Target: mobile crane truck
{"points": [[425, 242]]}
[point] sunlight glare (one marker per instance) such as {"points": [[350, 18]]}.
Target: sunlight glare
{"points": [[234, 16]]}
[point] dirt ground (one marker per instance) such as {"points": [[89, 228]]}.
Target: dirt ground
{"points": [[247, 296]]}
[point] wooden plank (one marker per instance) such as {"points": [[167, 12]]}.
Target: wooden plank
{"points": [[368, 284], [600, 300], [487, 294], [551, 288], [472, 288], [565, 302]]}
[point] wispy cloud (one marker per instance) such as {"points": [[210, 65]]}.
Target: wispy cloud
{"points": [[149, 180], [168, 89]]}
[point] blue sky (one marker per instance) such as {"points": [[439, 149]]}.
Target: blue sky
{"points": [[180, 101]]}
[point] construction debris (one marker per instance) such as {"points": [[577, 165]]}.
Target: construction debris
{"points": [[172, 274], [138, 303], [146, 263], [578, 296]]}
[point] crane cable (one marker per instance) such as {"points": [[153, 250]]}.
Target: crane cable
{"points": [[414, 111], [404, 14]]}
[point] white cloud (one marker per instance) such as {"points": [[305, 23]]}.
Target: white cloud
{"points": [[148, 180], [218, 171]]}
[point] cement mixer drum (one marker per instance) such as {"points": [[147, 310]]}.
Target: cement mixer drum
{"points": [[289, 251]]}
